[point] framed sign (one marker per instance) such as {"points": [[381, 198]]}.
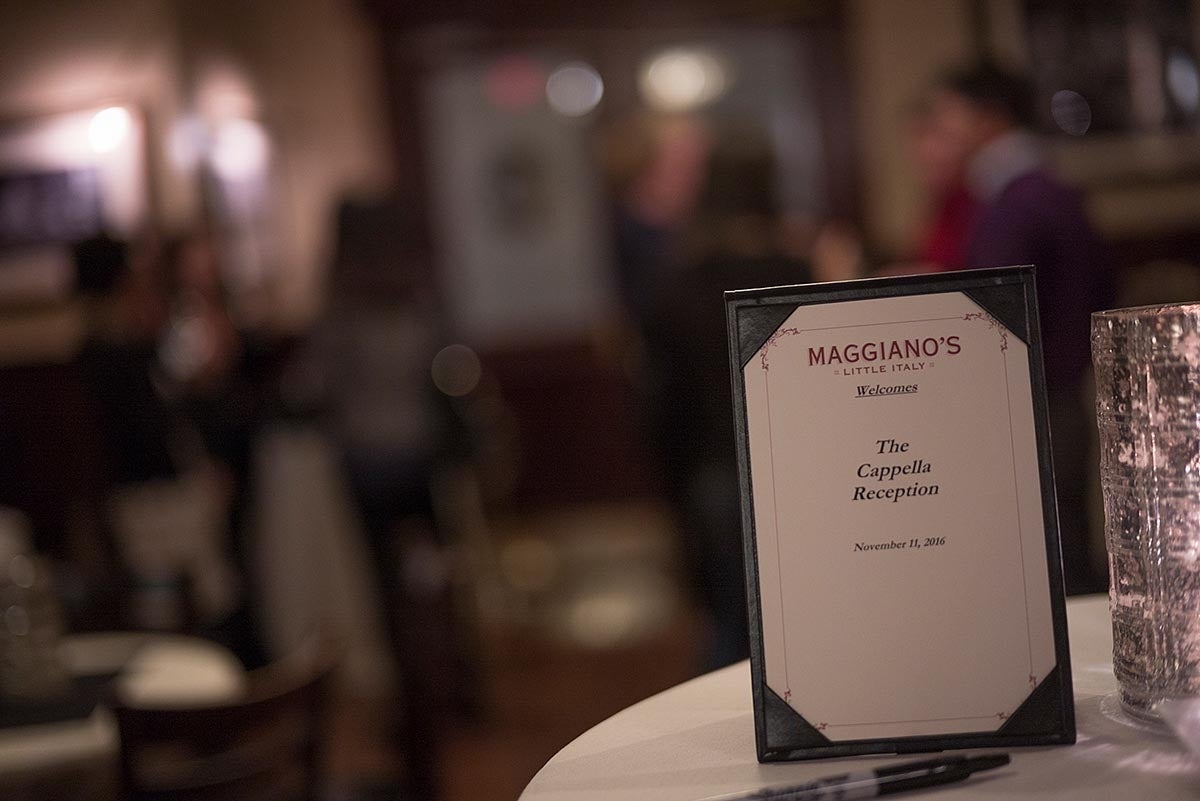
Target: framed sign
{"points": [[899, 518]]}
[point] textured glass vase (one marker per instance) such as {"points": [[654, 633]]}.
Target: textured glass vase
{"points": [[1147, 377]]}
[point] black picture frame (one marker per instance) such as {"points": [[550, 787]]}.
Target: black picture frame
{"points": [[1008, 294]]}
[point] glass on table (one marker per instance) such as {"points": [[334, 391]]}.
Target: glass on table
{"points": [[1147, 362]]}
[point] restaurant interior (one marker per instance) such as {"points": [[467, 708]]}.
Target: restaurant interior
{"points": [[364, 392]]}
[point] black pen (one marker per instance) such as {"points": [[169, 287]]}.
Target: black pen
{"points": [[880, 781]]}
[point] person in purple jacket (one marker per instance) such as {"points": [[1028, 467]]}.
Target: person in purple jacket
{"points": [[1028, 216]]}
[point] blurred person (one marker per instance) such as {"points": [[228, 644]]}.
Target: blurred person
{"points": [[732, 242], [204, 370], [941, 161], [656, 168], [375, 347], [126, 311], [1026, 215], [163, 514], [837, 252], [201, 347], [940, 158]]}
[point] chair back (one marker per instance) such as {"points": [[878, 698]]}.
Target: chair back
{"points": [[265, 745]]}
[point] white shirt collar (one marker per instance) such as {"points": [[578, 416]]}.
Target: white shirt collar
{"points": [[1001, 161]]}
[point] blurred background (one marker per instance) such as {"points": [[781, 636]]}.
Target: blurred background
{"points": [[401, 322]]}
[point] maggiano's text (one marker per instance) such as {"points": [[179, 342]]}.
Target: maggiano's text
{"points": [[883, 351]]}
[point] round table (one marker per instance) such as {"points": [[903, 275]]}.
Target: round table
{"points": [[150, 668], [696, 741]]}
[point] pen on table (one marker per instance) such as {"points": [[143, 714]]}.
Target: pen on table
{"points": [[879, 781]]}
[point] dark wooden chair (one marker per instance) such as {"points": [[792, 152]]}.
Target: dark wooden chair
{"points": [[266, 745]]}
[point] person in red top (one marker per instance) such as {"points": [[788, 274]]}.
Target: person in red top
{"points": [[941, 163], [941, 166], [944, 245]]}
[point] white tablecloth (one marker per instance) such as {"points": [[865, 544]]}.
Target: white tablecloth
{"points": [[696, 741]]}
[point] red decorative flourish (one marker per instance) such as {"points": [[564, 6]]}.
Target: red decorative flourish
{"points": [[821, 726], [1002, 715], [787, 695], [765, 350], [1032, 680], [993, 324]]}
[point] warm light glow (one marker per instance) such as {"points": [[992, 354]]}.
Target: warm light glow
{"points": [[224, 92], [188, 142], [240, 150], [683, 79], [574, 89], [108, 129]]}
